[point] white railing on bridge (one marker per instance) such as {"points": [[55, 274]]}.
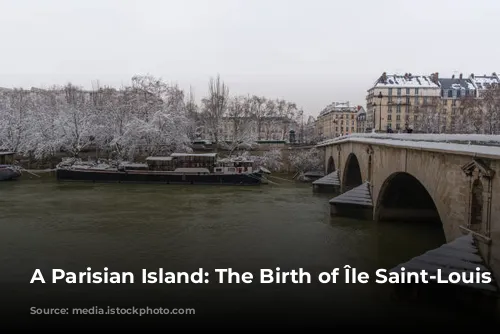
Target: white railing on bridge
{"points": [[468, 144]]}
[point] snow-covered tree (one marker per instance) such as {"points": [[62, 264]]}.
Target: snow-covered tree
{"points": [[305, 160], [16, 107], [162, 132], [273, 160], [241, 125], [76, 121]]}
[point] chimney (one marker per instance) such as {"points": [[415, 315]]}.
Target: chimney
{"points": [[384, 77], [453, 76], [472, 75], [461, 76]]}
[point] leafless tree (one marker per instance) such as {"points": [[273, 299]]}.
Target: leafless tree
{"points": [[214, 107], [428, 117], [258, 111], [491, 109], [470, 115]]}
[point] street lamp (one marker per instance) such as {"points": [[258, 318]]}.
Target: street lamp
{"points": [[380, 96]]}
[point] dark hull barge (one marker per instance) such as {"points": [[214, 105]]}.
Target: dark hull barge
{"points": [[179, 168], [156, 177]]}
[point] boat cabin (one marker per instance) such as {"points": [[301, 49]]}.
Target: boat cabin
{"points": [[231, 166], [183, 162], [6, 158], [201, 163]]}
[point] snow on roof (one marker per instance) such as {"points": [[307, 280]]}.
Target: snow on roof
{"points": [[340, 107], [485, 81], [330, 179], [193, 154], [158, 158], [455, 83], [360, 195], [487, 146], [408, 81], [460, 255]]}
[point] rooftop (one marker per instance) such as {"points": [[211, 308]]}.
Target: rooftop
{"points": [[340, 107], [457, 83], [407, 81], [485, 81]]}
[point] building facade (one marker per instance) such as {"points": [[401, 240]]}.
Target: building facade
{"points": [[246, 129], [395, 102], [430, 104], [338, 119]]}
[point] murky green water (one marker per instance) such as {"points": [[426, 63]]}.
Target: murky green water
{"points": [[45, 224]]}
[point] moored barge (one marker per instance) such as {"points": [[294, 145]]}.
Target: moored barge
{"points": [[178, 168], [8, 171]]}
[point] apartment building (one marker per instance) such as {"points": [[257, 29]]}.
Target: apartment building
{"points": [[395, 102], [338, 119]]}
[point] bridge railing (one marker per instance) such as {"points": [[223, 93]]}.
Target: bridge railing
{"points": [[470, 139]]}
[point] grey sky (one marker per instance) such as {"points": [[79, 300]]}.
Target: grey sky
{"points": [[311, 52]]}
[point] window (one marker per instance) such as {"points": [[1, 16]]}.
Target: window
{"points": [[398, 126], [389, 117], [416, 100], [398, 108], [389, 125], [398, 117], [389, 110], [416, 91], [407, 91], [476, 211], [399, 91], [459, 93], [450, 93], [425, 99], [352, 129], [390, 92], [408, 100]]}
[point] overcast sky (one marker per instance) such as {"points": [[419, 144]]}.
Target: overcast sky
{"points": [[311, 52]]}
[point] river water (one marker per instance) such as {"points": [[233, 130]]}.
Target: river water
{"points": [[46, 225]]}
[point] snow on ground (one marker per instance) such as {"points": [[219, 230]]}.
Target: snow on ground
{"points": [[468, 144]]}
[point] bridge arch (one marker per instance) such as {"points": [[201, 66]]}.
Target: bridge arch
{"points": [[352, 173], [330, 167], [403, 197]]}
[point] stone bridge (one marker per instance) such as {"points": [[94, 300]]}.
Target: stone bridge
{"points": [[451, 178]]}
